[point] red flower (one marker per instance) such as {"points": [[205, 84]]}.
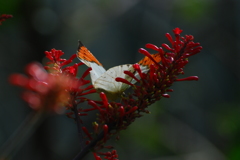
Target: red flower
{"points": [[3, 17], [44, 90], [54, 90], [150, 87]]}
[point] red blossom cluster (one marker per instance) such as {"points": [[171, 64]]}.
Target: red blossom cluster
{"points": [[150, 87], [56, 88], [43, 90], [61, 87], [3, 17]]}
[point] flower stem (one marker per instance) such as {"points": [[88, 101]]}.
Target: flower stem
{"points": [[79, 126], [88, 148], [93, 143]]}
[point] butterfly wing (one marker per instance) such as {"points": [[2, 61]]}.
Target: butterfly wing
{"points": [[146, 62], [145, 65], [105, 80], [107, 83], [88, 59]]}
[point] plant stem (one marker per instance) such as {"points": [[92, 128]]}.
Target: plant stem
{"points": [[93, 143], [79, 126], [87, 148]]}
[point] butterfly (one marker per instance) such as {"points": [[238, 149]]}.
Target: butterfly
{"points": [[104, 80]]}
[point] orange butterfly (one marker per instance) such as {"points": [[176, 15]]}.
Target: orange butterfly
{"points": [[104, 80]]}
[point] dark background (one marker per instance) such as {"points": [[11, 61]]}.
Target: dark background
{"points": [[201, 120]]}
